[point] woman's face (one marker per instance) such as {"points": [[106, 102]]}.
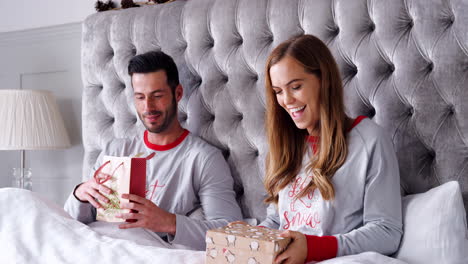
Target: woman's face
{"points": [[298, 92]]}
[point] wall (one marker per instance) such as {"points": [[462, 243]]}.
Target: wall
{"points": [[27, 14], [46, 58], [40, 49]]}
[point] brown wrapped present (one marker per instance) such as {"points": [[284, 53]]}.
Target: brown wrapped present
{"points": [[247, 244]]}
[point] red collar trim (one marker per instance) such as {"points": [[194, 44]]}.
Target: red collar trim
{"points": [[165, 147], [315, 139], [356, 122], [313, 142]]}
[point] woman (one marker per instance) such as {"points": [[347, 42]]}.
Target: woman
{"points": [[332, 181]]}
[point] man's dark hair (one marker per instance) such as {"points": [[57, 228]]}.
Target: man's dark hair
{"points": [[154, 61]]}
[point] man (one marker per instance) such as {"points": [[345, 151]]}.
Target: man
{"points": [[185, 174]]}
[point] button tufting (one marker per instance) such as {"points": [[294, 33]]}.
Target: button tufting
{"points": [[256, 153], [372, 26], [134, 120], [430, 66], [451, 110], [410, 111], [391, 67], [226, 153], [212, 118], [270, 38], [211, 43], [240, 41], [411, 23], [240, 116], [451, 20], [336, 31], [371, 112]]}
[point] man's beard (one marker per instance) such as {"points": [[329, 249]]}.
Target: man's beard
{"points": [[169, 116]]}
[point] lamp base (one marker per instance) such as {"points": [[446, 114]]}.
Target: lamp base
{"points": [[22, 182]]}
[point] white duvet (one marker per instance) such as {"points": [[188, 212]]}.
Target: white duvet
{"points": [[34, 230]]}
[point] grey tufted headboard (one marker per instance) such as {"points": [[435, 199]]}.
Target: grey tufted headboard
{"points": [[404, 63]]}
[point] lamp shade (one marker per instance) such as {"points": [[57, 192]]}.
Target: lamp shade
{"points": [[30, 120]]}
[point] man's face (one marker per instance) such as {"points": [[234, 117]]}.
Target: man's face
{"points": [[155, 102]]}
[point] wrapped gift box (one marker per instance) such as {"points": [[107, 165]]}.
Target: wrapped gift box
{"points": [[122, 175], [246, 244]]}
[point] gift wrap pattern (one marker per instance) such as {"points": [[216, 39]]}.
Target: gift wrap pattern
{"points": [[241, 243]]}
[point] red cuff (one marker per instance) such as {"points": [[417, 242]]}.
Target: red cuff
{"points": [[321, 247]]}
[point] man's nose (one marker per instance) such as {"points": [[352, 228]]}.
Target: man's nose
{"points": [[149, 105]]}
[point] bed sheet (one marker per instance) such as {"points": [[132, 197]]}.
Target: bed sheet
{"points": [[35, 230]]}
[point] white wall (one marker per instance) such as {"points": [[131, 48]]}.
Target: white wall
{"points": [[27, 14], [46, 58], [40, 49]]}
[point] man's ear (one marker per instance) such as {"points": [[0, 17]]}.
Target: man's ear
{"points": [[179, 92]]}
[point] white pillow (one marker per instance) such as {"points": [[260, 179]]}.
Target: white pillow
{"points": [[434, 226]]}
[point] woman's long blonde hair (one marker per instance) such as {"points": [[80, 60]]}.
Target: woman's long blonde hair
{"points": [[287, 143]]}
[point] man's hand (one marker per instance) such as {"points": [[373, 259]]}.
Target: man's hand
{"points": [[92, 192], [147, 215], [296, 251]]}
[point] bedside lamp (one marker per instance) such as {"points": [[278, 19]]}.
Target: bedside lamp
{"points": [[30, 120]]}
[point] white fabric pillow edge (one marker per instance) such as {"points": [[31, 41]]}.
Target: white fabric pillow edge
{"points": [[434, 224]]}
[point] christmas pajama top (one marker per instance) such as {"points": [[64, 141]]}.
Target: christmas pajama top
{"points": [[365, 214]]}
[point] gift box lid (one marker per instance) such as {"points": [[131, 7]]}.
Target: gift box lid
{"points": [[247, 237]]}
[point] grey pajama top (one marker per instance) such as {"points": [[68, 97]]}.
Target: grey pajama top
{"points": [[365, 214], [180, 180]]}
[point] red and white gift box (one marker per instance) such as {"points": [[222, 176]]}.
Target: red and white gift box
{"points": [[122, 175]]}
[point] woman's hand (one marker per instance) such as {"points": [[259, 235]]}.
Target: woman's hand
{"points": [[296, 252]]}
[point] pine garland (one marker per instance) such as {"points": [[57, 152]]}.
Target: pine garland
{"points": [[101, 6], [104, 6], [128, 4], [159, 1]]}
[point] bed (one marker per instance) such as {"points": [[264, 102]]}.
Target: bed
{"points": [[404, 64]]}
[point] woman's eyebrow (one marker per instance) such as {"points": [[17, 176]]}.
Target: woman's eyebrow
{"points": [[293, 80]]}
